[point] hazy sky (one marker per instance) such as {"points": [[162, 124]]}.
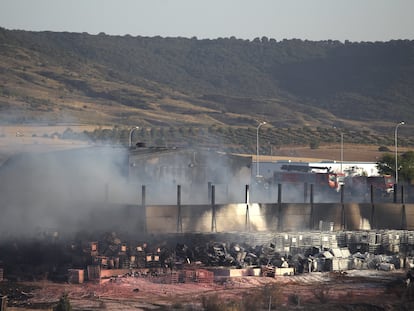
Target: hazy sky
{"points": [[354, 20]]}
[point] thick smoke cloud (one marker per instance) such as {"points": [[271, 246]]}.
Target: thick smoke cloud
{"points": [[92, 188], [95, 188], [56, 190]]}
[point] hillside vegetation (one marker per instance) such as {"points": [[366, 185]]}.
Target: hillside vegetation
{"points": [[224, 85]]}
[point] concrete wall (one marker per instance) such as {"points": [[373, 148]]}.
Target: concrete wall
{"points": [[278, 217]]}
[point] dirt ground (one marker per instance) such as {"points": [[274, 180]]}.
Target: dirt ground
{"points": [[353, 290]]}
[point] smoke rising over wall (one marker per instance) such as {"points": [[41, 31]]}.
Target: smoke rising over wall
{"points": [[194, 171], [56, 190], [70, 191], [95, 188]]}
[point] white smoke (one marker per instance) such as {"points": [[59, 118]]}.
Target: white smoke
{"points": [[56, 189]]}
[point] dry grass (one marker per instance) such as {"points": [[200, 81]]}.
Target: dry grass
{"points": [[38, 130], [30, 137], [24, 138], [351, 152]]}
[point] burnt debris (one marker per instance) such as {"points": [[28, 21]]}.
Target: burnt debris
{"points": [[60, 260]]}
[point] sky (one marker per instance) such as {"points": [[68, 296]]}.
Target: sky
{"points": [[353, 20]]}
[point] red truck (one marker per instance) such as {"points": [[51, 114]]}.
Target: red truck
{"points": [[383, 184]]}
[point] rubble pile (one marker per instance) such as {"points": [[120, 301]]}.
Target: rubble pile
{"points": [[154, 269], [184, 257], [194, 254], [19, 294]]}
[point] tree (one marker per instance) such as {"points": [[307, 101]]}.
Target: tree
{"points": [[407, 166], [386, 166], [314, 144], [68, 134]]}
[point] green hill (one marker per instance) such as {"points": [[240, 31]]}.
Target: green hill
{"points": [[49, 77]]}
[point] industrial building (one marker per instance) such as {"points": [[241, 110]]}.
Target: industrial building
{"points": [[348, 168]]}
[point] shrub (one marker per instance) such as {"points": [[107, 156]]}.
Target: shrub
{"points": [[384, 149], [314, 144], [63, 304], [321, 294]]}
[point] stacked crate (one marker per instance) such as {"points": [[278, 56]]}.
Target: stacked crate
{"points": [[357, 241], [296, 244], [94, 272], [124, 262], [329, 241], [189, 276], [341, 239], [175, 277], [204, 276], [307, 240], [315, 240], [94, 249], [279, 243], [76, 276], [140, 259], [391, 241], [374, 243], [286, 243], [342, 259], [267, 271], [410, 242]]}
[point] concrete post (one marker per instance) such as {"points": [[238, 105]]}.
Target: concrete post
{"points": [[209, 191], [372, 220], [3, 303], [143, 206], [403, 212], [395, 193], [179, 219], [246, 200], [311, 217], [213, 210], [305, 192], [279, 203], [343, 220]]}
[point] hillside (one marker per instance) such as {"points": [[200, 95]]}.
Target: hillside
{"points": [[77, 78]]}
